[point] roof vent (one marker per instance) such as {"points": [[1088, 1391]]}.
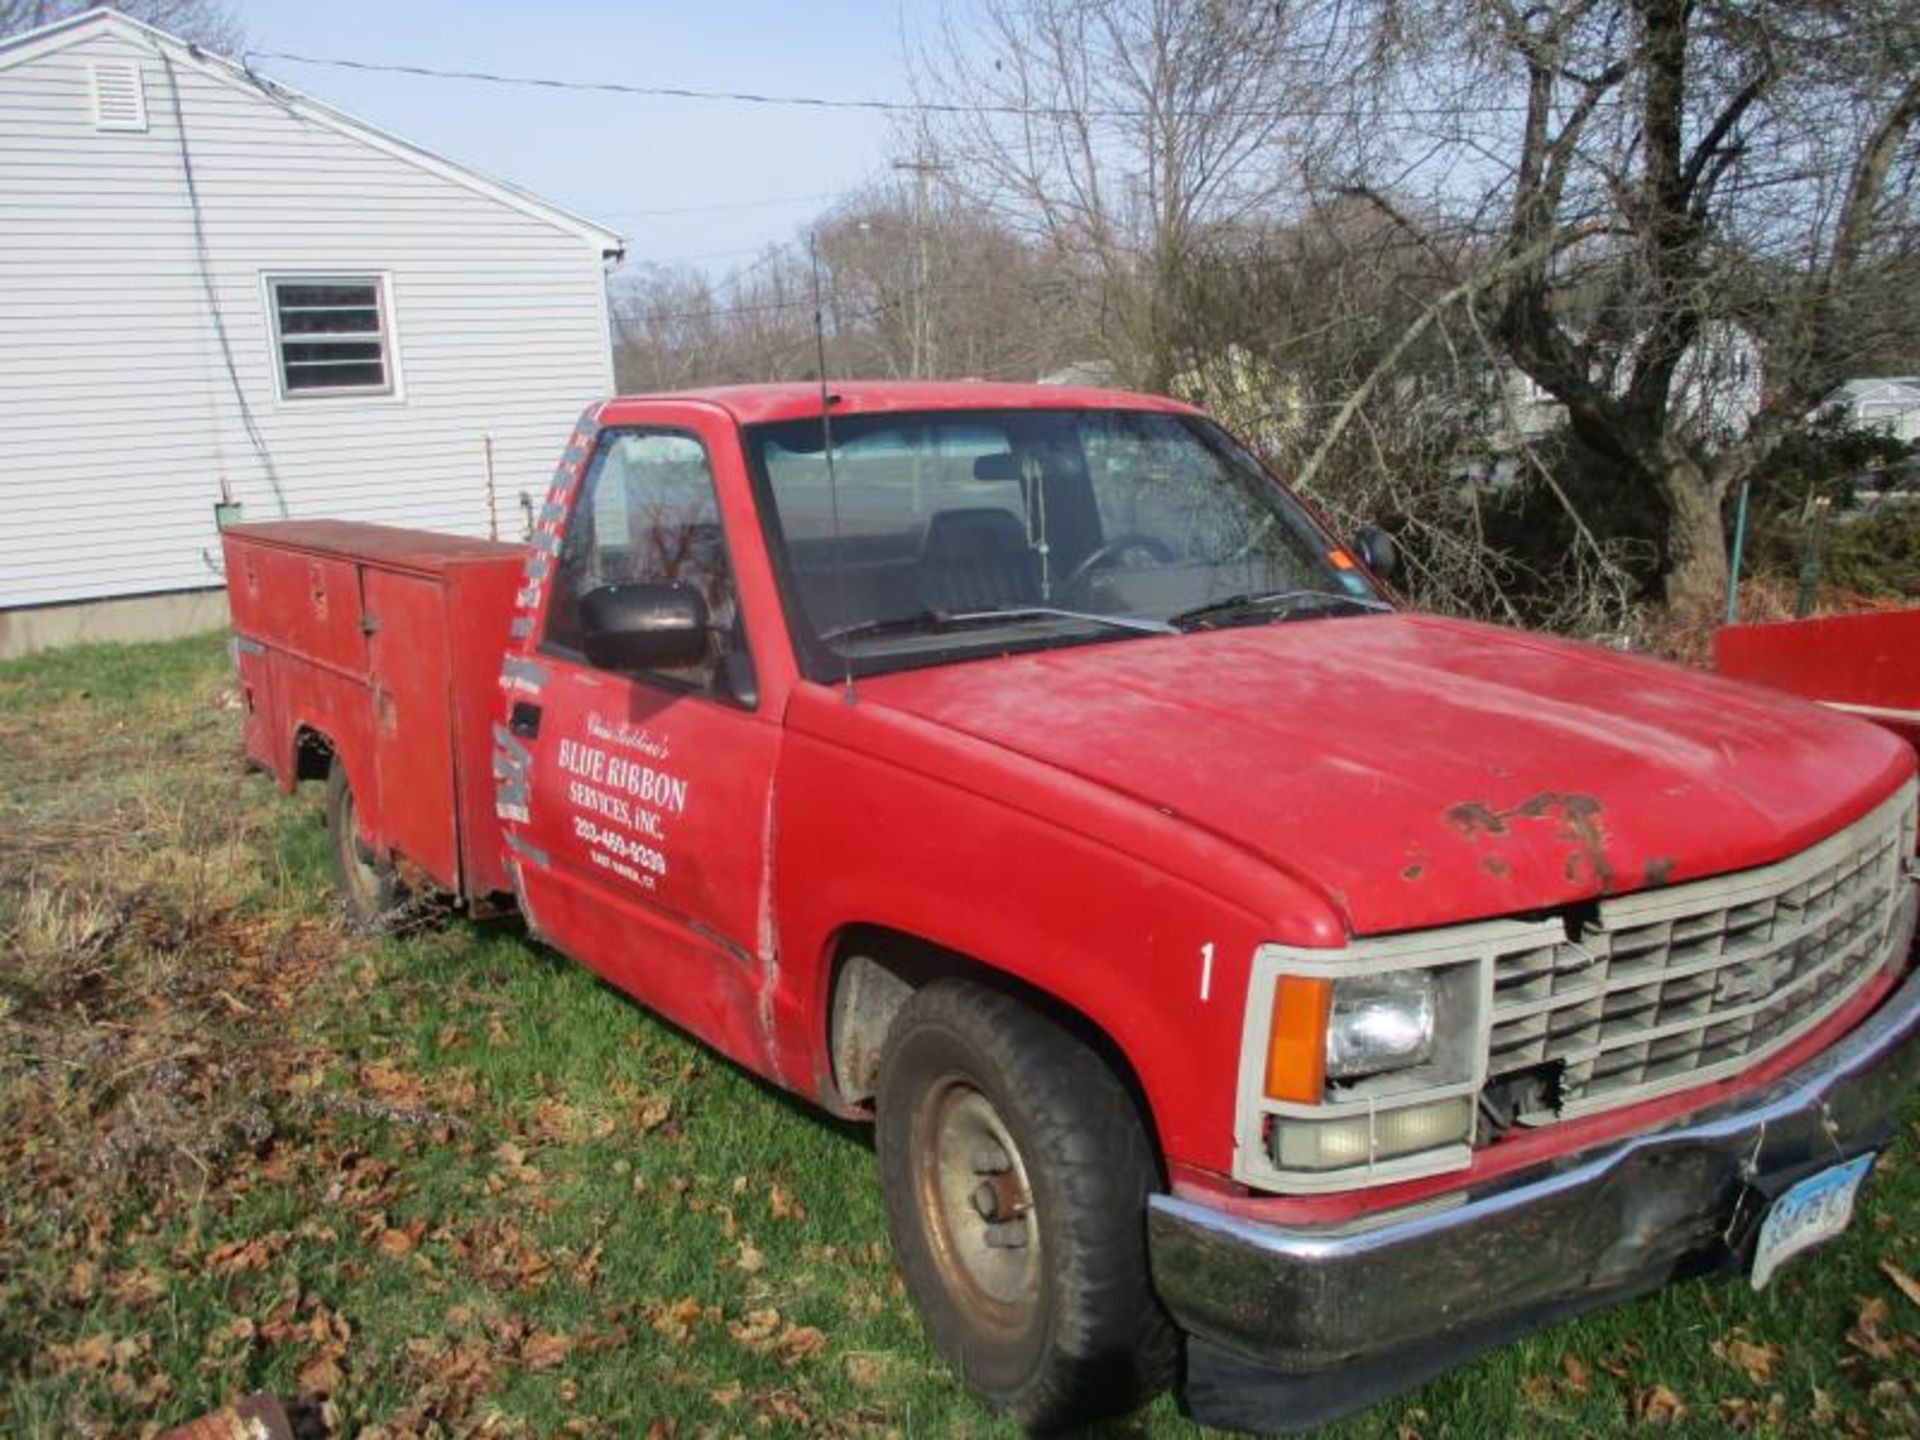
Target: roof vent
{"points": [[119, 98]]}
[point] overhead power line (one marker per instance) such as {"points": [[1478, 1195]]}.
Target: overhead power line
{"points": [[823, 102], [764, 204]]}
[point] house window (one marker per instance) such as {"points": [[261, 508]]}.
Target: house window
{"points": [[333, 334]]}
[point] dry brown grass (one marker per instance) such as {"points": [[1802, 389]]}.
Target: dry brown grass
{"points": [[145, 983]]}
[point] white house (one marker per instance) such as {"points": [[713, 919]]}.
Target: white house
{"points": [[1890, 403], [213, 287]]}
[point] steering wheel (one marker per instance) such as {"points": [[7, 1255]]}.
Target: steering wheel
{"points": [[1113, 551]]}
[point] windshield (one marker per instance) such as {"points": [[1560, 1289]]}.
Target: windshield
{"points": [[960, 532]]}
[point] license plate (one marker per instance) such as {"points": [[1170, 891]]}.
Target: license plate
{"points": [[1816, 1209]]}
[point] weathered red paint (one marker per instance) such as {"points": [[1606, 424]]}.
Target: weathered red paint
{"points": [[1869, 663], [1089, 821], [384, 646]]}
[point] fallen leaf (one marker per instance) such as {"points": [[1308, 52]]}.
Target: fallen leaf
{"points": [[864, 1370], [1657, 1405], [727, 1395], [93, 1353], [750, 1259], [1909, 1286], [799, 1342], [784, 1206], [1755, 1361], [653, 1112], [1741, 1415], [82, 1280], [320, 1373], [545, 1350], [783, 1405], [1538, 1389], [1752, 1414], [587, 1268], [1575, 1372], [135, 1288], [1617, 1361], [513, 1163], [238, 1255], [757, 1329], [389, 1083], [676, 1321], [1865, 1335]]}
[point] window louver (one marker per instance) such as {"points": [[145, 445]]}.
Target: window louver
{"points": [[119, 95]]}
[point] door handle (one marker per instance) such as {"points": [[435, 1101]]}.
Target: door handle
{"points": [[524, 720]]}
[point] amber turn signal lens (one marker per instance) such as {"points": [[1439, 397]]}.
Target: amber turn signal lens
{"points": [[1297, 1040]]}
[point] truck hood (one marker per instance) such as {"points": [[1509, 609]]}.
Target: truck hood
{"points": [[1418, 771]]}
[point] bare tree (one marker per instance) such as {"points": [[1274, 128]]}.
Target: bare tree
{"points": [[206, 23], [1654, 181], [897, 269], [1119, 132]]}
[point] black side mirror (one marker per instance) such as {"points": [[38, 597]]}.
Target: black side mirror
{"points": [[1375, 549], [655, 625]]}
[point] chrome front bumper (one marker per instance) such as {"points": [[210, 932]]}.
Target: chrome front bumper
{"points": [[1289, 1328]]}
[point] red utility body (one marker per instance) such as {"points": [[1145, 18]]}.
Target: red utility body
{"points": [[383, 646], [1868, 664], [1146, 832]]}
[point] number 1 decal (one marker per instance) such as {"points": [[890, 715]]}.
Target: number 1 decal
{"points": [[1206, 970]]}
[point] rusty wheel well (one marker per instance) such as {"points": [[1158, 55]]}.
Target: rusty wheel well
{"points": [[312, 754], [876, 968]]}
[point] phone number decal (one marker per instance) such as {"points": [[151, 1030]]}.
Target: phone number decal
{"points": [[625, 847]]}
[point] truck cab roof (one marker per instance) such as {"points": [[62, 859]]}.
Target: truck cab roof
{"points": [[797, 400]]}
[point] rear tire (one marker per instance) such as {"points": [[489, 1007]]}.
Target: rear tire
{"points": [[1016, 1174], [368, 885]]}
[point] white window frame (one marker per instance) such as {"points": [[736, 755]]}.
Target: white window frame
{"points": [[388, 334]]}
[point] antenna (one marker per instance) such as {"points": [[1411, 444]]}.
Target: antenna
{"points": [[826, 448]]}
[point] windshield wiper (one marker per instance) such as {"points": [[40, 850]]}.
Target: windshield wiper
{"points": [[917, 622], [927, 621], [1290, 605], [1120, 622]]}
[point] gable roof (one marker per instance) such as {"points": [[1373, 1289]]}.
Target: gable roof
{"points": [[33, 44], [1880, 389]]}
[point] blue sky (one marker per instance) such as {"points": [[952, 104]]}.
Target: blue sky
{"points": [[611, 157]]}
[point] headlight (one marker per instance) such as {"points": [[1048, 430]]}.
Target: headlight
{"points": [[1379, 1023], [1361, 1066]]}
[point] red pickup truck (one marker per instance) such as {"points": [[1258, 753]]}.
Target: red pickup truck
{"points": [[1233, 964]]}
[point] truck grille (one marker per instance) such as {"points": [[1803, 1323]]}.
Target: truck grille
{"points": [[1677, 987]]}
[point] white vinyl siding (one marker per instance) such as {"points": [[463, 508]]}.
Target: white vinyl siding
{"points": [[139, 364]]}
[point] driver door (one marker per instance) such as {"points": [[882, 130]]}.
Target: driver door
{"points": [[648, 790]]}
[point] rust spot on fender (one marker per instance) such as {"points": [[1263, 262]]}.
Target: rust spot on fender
{"points": [[1659, 871], [1577, 821], [1471, 817], [1412, 872], [1496, 867]]}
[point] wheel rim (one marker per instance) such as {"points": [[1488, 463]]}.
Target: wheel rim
{"points": [[359, 872], [977, 1205]]}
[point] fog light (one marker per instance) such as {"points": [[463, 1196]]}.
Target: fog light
{"points": [[1379, 1023], [1354, 1140]]}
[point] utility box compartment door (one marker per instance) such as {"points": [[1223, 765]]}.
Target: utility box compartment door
{"points": [[307, 605], [413, 722]]}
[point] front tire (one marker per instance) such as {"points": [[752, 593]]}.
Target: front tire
{"points": [[1016, 1174]]}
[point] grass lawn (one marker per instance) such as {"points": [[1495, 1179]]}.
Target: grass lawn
{"points": [[447, 1183]]}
